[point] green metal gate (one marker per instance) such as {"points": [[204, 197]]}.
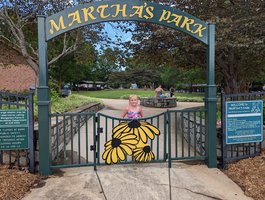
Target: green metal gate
{"points": [[78, 139], [72, 140]]}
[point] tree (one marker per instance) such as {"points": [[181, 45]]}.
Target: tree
{"points": [[240, 37], [108, 61], [77, 67], [18, 29]]}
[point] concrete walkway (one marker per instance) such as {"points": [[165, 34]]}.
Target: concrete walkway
{"points": [[184, 181]]}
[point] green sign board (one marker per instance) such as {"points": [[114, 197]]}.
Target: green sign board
{"points": [[14, 129], [120, 10]]}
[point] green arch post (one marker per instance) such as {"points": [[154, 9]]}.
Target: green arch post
{"points": [[105, 11]]}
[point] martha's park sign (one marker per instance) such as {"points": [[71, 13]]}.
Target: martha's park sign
{"points": [[125, 11]]}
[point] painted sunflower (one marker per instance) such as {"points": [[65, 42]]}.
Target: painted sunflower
{"points": [[141, 129], [143, 153], [117, 148]]}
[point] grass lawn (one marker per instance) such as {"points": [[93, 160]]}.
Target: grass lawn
{"points": [[125, 93]]}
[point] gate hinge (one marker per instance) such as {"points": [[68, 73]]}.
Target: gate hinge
{"points": [[92, 147], [100, 130]]}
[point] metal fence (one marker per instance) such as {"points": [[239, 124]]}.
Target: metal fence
{"points": [[79, 139], [233, 152], [24, 157]]}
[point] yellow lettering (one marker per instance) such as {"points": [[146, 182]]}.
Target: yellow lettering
{"points": [[187, 22], [199, 30], [88, 13], [176, 19], [101, 11], [138, 11], [119, 9], [165, 15], [55, 26], [149, 12], [76, 18]]}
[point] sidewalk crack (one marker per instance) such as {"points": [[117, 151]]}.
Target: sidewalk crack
{"points": [[217, 198], [101, 185]]}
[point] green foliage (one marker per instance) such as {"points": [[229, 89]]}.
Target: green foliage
{"points": [[71, 102], [170, 76], [141, 76], [54, 95], [60, 105], [124, 94]]}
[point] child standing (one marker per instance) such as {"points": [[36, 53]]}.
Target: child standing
{"points": [[133, 110]]}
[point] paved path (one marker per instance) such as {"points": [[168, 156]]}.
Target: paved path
{"points": [[139, 181]]}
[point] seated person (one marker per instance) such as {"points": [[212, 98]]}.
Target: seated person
{"points": [[159, 91]]}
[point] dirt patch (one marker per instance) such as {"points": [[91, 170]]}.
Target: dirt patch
{"points": [[14, 183], [249, 174]]}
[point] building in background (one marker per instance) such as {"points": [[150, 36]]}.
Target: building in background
{"points": [[15, 74]]}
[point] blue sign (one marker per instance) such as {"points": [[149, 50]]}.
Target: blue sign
{"points": [[244, 121]]}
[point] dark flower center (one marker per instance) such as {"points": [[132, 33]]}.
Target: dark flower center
{"points": [[115, 142], [147, 149], [134, 124]]}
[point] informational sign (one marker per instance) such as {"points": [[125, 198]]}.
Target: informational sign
{"points": [[14, 129], [244, 121]]}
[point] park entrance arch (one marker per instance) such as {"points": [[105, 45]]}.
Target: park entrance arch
{"points": [[106, 11]]}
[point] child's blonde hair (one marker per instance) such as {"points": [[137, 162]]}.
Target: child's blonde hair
{"points": [[133, 95]]}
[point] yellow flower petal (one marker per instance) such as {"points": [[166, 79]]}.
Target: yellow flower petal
{"points": [[108, 160], [119, 126], [152, 155], [131, 146], [136, 152], [117, 133], [108, 143], [105, 154], [120, 153], [153, 129], [148, 132], [114, 156], [136, 132], [127, 137], [143, 123], [142, 135], [126, 148], [140, 144]]}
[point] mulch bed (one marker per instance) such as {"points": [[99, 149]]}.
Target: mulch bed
{"points": [[249, 174], [14, 183]]}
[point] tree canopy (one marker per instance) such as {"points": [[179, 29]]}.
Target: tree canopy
{"points": [[240, 40]]}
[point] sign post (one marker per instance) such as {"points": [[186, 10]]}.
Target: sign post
{"points": [[244, 121]]}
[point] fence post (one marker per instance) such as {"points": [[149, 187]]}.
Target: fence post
{"points": [[31, 134], [43, 101], [210, 100]]}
